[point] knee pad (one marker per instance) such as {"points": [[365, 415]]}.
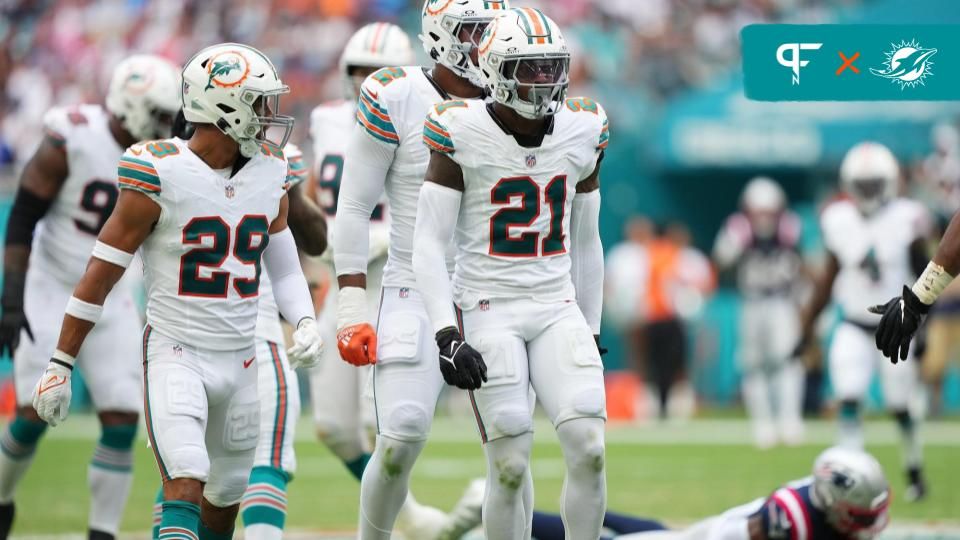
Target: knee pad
{"points": [[119, 437], [227, 486], [342, 440], [407, 421], [510, 471], [511, 423], [396, 457], [850, 410]]}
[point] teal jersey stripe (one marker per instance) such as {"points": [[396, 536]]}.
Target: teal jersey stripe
{"points": [[376, 120], [140, 176], [373, 102], [437, 125], [439, 139], [136, 161]]}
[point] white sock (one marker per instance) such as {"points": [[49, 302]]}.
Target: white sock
{"points": [[109, 476], [11, 471], [262, 531], [850, 432], [584, 501], [384, 487], [788, 381], [508, 472], [756, 397], [909, 439], [528, 503], [17, 445]]}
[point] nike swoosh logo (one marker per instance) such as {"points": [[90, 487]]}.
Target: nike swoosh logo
{"points": [[374, 95], [246, 363], [52, 383]]}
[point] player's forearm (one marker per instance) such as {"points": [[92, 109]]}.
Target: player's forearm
{"points": [[587, 257], [307, 222], [948, 252], [289, 285], [437, 211], [366, 166]]}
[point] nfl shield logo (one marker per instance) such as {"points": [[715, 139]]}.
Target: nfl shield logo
{"points": [[484, 305], [229, 191], [177, 350], [531, 161], [404, 292]]}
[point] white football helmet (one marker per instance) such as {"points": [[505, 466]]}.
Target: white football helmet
{"points": [[523, 49], [850, 487], [869, 175], [376, 45], [236, 88], [763, 200], [452, 28], [144, 95]]}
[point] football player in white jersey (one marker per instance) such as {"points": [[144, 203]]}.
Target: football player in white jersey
{"points": [[204, 213], [68, 188], [342, 406], [875, 242], [386, 153], [515, 185]]}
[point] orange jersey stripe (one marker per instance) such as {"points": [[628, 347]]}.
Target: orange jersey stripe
{"points": [[136, 183], [437, 146], [372, 109], [366, 123]]}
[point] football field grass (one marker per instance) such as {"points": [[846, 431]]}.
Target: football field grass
{"points": [[675, 473]]}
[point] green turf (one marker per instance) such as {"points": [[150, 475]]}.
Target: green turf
{"points": [[674, 482]]}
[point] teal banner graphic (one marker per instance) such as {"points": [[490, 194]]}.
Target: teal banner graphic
{"points": [[851, 62]]}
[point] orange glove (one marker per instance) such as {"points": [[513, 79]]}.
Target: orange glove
{"points": [[358, 344]]}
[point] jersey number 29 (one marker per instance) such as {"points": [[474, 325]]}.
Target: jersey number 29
{"points": [[213, 257], [530, 243]]}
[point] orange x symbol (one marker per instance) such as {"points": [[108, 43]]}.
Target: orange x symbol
{"points": [[848, 62]]}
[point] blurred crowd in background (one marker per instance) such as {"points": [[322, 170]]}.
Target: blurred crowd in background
{"points": [[637, 57], [63, 51]]}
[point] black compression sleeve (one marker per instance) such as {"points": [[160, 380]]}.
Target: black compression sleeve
{"points": [[27, 210]]}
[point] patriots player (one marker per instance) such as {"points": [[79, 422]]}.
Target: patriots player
{"points": [[514, 184], [206, 214], [385, 153], [761, 244], [342, 409], [846, 498], [67, 188], [875, 241]]}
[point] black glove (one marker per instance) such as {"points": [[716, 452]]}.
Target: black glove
{"points": [[800, 347], [602, 350], [13, 318], [902, 317], [461, 365]]}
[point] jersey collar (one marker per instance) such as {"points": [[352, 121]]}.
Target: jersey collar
{"points": [[526, 141]]}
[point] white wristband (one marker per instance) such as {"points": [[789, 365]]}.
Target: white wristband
{"points": [[351, 306], [84, 310], [931, 283], [63, 358], [112, 255]]}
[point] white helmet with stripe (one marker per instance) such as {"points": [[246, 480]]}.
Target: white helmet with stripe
{"points": [[869, 175], [451, 29], [525, 63], [236, 88], [376, 45], [144, 94], [850, 487]]}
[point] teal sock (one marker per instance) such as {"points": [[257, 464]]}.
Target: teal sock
{"points": [[21, 436], [181, 521], [207, 534], [265, 501], [357, 465], [157, 513]]}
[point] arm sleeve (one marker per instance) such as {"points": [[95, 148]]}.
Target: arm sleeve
{"points": [[289, 286], [586, 256], [437, 211], [365, 172]]}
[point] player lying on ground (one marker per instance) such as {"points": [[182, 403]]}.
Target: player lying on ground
{"points": [[875, 241], [204, 214], [847, 497], [67, 187], [514, 184], [386, 154]]}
